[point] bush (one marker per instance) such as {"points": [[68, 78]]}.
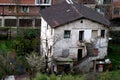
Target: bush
{"points": [[27, 41], [23, 43], [53, 77], [40, 77], [36, 62]]}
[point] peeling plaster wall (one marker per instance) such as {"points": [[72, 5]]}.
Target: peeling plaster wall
{"points": [[47, 34], [72, 43]]}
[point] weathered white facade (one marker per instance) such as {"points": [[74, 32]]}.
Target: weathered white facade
{"points": [[47, 36], [55, 38], [72, 34]]}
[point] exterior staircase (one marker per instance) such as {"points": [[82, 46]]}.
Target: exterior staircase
{"points": [[85, 64]]}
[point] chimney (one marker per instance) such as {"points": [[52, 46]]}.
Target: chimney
{"points": [[69, 1]]}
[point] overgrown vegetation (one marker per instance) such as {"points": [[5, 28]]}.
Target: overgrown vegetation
{"points": [[20, 54], [113, 75], [40, 76], [15, 48], [114, 49]]}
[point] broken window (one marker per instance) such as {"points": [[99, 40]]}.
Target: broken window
{"points": [[67, 33], [103, 33]]}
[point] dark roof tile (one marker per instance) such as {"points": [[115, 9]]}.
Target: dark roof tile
{"points": [[63, 13]]}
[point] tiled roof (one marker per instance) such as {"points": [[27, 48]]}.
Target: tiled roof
{"points": [[63, 13]]}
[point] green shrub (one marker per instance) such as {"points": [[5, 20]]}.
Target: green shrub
{"points": [[53, 77], [40, 77], [27, 41]]}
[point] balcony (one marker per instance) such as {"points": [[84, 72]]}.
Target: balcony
{"points": [[43, 2]]}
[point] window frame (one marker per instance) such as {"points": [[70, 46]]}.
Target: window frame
{"points": [[25, 9], [94, 33], [116, 10], [102, 34], [43, 2], [67, 34]]}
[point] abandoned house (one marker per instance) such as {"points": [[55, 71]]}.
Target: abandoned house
{"points": [[73, 36]]}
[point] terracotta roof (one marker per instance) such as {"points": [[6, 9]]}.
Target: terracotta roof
{"points": [[63, 13]]}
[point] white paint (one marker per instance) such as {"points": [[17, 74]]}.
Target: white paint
{"points": [[88, 35]]}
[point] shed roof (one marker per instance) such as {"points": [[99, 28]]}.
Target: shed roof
{"points": [[63, 13]]}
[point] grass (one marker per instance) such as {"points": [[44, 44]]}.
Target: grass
{"points": [[109, 75], [113, 75], [40, 76]]}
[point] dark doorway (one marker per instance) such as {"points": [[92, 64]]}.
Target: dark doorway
{"points": [[63, 68], [79, 54], [81, 34]]}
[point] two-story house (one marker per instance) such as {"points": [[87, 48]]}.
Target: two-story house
{"points": [[70, 32]]}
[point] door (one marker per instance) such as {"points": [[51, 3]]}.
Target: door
{"points": [[79, 54]]}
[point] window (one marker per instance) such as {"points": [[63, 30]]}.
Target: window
{"points": [[103, 33], [11, 8], [37, 22], [116, 10], [67, 33], [107, 2], [94, 33], [25, 9], [99, 1], [25, 22], [81, 35], [43, 2], [10, 22], [100, 9]]}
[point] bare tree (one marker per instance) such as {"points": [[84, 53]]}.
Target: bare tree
{"points": [[47, 51]]}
